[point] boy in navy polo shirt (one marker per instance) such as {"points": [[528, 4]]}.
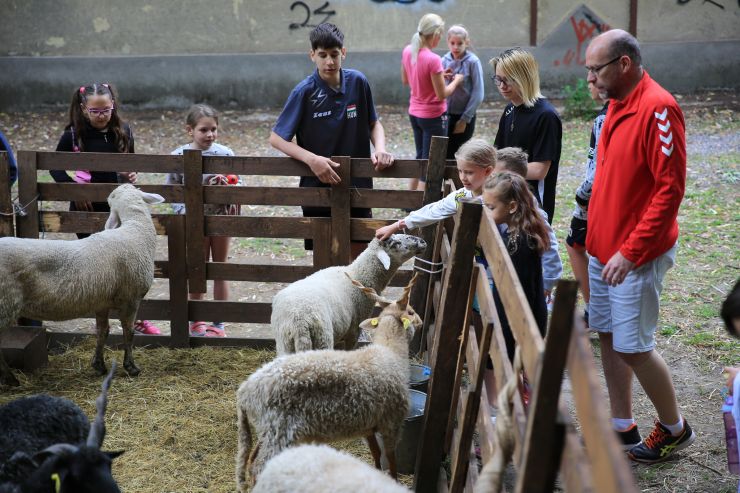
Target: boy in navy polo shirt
{"points": [[331, 113]]}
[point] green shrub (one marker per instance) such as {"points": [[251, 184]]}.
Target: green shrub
{"points": [[578, 102]]}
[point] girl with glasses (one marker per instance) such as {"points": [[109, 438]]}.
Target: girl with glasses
{"points": [[95, 126]]}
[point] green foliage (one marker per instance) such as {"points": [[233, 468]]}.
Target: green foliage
{"points": [[578, 102]]}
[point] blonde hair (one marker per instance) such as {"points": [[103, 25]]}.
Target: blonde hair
{"points": [[514, 160], [526, 220], [521, 68], [459, 31], [429, 25], [477, 152]]}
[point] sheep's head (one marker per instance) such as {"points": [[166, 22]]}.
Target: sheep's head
{"points": [[65, 467], [399, 309], [399, 248], [128, 197]]}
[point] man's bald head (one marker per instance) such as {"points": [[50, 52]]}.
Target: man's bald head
{"points": [[619, 42]]}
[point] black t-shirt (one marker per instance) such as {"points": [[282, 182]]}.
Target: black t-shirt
{"points": [[528, 265], [94, 141], [538, 131]]}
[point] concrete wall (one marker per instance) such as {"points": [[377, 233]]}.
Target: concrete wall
{"points": [[249, 53]]}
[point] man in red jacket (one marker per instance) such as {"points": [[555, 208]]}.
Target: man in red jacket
{"points": [[632, 232]]}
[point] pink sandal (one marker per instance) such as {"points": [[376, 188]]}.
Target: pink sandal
{"points": [[198, 329], [215, 330]]}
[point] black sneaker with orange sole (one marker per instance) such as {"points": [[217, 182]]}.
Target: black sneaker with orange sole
{"points": [[660, 445]]}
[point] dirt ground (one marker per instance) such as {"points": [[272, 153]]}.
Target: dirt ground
{"points": [[690, 336]]}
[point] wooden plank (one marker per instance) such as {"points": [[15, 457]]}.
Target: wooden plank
{"points": [[89, 222], [6, 201], [178, 283], [321, 243], [98, 192], [609, 463], [142, 163], [65, 339], [308, 196], [402, 168], [433, 193], [27, 225], [340, 213], [452, 421], [477, 357], [518, 313], [254, 165], [575, 468], [446, 347], [194, 227], [543, 442], [260, 227], [230, 311], [419, 343]]}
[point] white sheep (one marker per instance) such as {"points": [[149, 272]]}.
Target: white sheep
{"points": [[325, 395], [322, 469], [62, 280], [323, 311]]}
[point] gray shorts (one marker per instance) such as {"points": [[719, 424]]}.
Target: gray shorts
{"points": [[629, 311]]}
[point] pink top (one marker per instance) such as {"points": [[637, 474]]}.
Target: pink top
{"points": [[423, 102]]}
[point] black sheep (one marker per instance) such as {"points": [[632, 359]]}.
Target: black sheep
{"points": [[48, 444]]}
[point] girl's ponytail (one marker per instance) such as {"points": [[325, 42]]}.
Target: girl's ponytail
{"points": [[429, 25]]}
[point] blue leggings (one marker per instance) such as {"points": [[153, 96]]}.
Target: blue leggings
{"points": [[424, 130]]}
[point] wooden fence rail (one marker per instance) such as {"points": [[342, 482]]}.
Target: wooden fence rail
{"points": [[547, 446], [185, 267]]}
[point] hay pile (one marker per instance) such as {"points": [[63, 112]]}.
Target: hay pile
{"points": [[176, 421]]}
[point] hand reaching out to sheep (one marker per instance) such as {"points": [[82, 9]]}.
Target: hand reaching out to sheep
{"points": [[386, 231]]}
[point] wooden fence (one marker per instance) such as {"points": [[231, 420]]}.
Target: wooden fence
{"points": [[547, 447], [185, 267]]}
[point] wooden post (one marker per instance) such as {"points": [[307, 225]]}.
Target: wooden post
{"points": [[6, 202], [432, 193], [194, 221], [543, 441], [28, 224], [321, 228], [341, 254], [177, 248], [446, 348]]}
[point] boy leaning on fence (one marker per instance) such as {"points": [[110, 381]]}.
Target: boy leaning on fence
{"points": [[331, 113]]}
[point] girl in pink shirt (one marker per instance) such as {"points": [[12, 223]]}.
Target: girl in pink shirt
{"points": [[422, 70]]}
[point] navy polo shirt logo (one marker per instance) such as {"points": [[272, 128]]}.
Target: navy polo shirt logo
{"points": [[318, 97], [351, 111]]}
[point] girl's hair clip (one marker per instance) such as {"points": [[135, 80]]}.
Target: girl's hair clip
{"points": [[82, 89], [105, 85]]}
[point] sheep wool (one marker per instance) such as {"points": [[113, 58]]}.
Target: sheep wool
{"points": [[322, 469], [324, 395], [63, 280], [324, 310]]}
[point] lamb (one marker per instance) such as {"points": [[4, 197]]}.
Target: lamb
{"points": [[321, 469], [324, 311], [43, 446], [324, 395], [62, 280]]}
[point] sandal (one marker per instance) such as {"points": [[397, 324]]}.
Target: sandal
{"points": [[198, 329], [215, 331]]}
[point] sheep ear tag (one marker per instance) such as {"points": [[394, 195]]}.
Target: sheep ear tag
{"points": [[406, 323], [384, 259], [57, 482]]}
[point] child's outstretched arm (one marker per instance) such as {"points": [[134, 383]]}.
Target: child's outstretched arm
{"points": [[321, 166], [380, 158]]}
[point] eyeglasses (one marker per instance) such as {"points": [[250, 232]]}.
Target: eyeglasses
{"points": [[596, 70], [500, 81], [100, 112]]}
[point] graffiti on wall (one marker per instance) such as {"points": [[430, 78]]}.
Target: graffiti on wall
{"points": [[585, 26], [716, 4], [303, 9]]}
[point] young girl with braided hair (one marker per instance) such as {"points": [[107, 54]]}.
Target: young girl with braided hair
{"points": [[95, 125]]}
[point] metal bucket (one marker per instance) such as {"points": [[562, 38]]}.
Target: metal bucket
{"points": [[410, 433], [419, 377]]}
